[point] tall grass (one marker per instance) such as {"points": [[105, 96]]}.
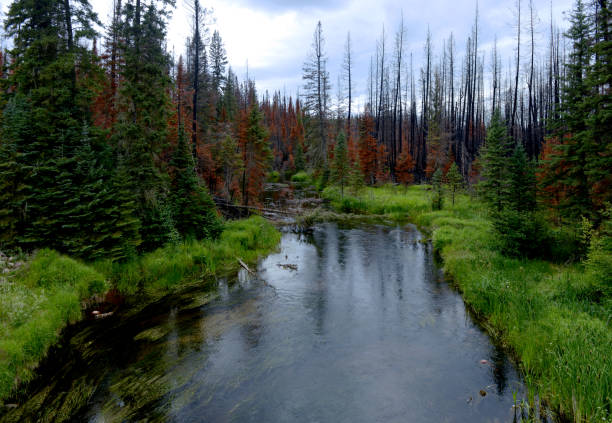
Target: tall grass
{"points": [[162, 270], [40, 300], [35, 304], [555, 318]]}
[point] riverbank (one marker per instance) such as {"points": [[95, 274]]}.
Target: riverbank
{"points": [[49, 292], [553, 317]]}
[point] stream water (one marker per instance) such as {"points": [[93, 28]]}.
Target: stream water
{"points": [[341, 325]]}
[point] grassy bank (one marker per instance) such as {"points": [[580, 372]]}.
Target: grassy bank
{"points": [[166, 268], [555, 318], [45, 295], [35, 304]]}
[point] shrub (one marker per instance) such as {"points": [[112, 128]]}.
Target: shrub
{"points": [[273, 176]]}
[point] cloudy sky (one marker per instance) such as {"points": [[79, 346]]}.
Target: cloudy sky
{"points": [[274, 36]]}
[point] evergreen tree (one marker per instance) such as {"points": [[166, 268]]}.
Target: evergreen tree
{"points": [[438, 189], [218, 61], [231, 163], [517, 225], [454, 179], [599, 111], [49, 44], [126, 237], [494, 156], [340, 166], [521, 181], [14, 171], [193, 210], [141, 131], [298, 159], [569, 164], [355, 179]]}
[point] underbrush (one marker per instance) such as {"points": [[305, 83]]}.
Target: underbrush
{"points": [[555, 317]]}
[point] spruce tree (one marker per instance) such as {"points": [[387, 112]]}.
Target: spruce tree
{"points": [[46, 54], [598, 104], [438, 190], [14, 170], [193, 210], [493, 156], [455, 180], [570, 161], [355, 180], [126, 236], [218, 61], [140, 133], [340, 166], [517, 225], [521, 181], [298, 159]]}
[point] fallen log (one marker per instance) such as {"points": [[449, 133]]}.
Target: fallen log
{"points": [[244, 265]]}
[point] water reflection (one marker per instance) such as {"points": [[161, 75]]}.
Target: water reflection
{"points": [[364, 330]]}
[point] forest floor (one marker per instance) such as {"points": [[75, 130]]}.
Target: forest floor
{"points": [[553, 317], [42, 294]]}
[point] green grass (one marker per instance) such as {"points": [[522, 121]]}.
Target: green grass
{"points": [[555, 318], [166, 268], [37, 302]]}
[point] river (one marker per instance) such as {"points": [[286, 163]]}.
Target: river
{"points": [[343, 324]]}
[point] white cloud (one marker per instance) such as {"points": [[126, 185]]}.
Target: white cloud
{"points": [[275, 35]]}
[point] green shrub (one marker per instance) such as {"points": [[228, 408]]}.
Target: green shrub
{"points": [[273, 176], [301, 177]]}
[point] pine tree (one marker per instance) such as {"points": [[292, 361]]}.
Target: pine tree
{"points": [[298, 159], [340, 166], [454, 179], [140, 133], [126, 238], [231, 163], [47, 52], [518, 227], [14, 170], [522, 181], [355, 180], [494, 156], [193, 211], [438, 189], [569, 163], [218, 61], [599, 117]]}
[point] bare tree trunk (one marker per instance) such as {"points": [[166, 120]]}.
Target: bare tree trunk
{"points": [[518, 60]]}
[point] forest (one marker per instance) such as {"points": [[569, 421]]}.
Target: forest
{"points": [[111, 146], [114, 148]]}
